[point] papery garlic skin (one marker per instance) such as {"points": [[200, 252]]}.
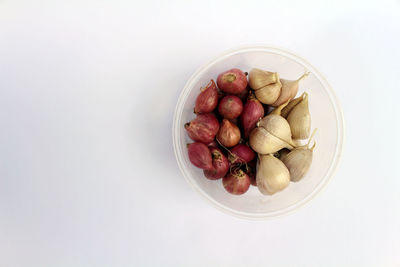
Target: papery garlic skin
{"points": [[289, 90], [277, 126], [259, 78], [272, 134], [299, 119], [286, 110], [269, 93], [263, 142], [298, 162], [272, 175]]}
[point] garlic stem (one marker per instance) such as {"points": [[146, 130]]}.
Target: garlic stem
{"points": [[311, 137], [303, 76], [278, 110]]}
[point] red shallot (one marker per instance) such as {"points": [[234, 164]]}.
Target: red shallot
{"points": [[200, 156], [228, 134], [207, 100], [252, 112], [233, 81], [230, 107], [237, 182], [241, 154], [203, 128], [220, 165]]}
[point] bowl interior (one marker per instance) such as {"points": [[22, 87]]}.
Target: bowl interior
{"points": [[325, 115]]}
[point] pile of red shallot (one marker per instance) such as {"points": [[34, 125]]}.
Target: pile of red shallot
{"points": [[232, 130]]}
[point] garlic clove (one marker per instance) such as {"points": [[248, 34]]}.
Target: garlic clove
{"points": [[259, 78], [277, 126], [289, 90], [263, 142], [272, 134], [272, 175], [298, 162], [299, 119], [269, 93], [286, 110]]}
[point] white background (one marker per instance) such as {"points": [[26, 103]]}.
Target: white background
{"points": [[87, 171]]}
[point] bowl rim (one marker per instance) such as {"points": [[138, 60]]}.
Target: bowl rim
{"points": [[339, 142]]}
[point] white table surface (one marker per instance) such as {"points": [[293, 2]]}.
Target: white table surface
{"points": [[87, 171]]}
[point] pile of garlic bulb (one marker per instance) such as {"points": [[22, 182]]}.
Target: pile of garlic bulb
{"points": [[278, 136]]}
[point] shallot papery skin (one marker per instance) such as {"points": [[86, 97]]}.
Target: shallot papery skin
{"points": [[233, 81], [236, 183], [220, 165], [228, 134], [203, 128], [252, 112], [200, 156], [230, 107], [241, 153], [207, 100]]}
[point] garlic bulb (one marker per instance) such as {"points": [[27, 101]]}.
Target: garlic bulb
{"points": [[299, 119], [277, 126], [271, 134], [298, 161], [260, 78], [263, 142], [269, 93], [289, 90], [272, 175], [286, 110]]}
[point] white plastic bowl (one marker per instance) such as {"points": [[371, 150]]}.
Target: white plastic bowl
{"points": [[326, 115]]}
